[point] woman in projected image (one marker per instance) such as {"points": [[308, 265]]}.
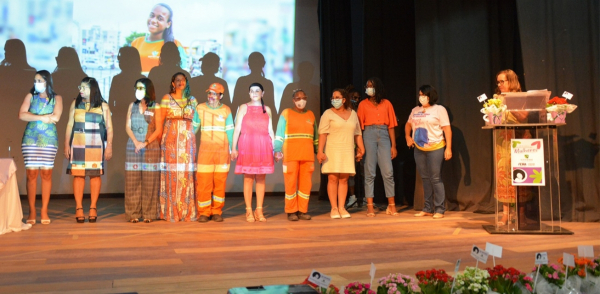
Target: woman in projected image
{"points": [[254, 129], [142, 155], [177, 121], [41, 109], [160, 30], [339, 130], [88, 142]]}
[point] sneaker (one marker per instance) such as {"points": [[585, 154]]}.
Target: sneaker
{"points": [[423, 213], [438, 216], [351, 201], [303, 216], [203, 219], [217, 217], [292, 217]]}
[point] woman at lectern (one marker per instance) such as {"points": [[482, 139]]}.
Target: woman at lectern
{"points": [[432, 135], [41, 109], [88, 143]]}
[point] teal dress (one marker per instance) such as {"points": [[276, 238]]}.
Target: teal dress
{"points": [[40, 140]]}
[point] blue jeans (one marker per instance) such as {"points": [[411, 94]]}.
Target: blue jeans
{"points": [[429, 165], [378, 150]]}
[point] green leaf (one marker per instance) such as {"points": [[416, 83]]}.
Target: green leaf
{"points": [[537, 176], [515, 143], [526, 155]]}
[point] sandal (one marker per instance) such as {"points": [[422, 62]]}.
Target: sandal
{"points": [[134, 220], [391, 210], [91, 218], [260, 217], [249, 215], [504, 220], [79, 219], [147, 220], [370, 214]]}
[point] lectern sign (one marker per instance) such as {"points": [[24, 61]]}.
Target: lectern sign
{"points": [[527, 162]]}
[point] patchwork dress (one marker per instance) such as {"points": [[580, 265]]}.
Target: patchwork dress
{"points": [[88, 141]]}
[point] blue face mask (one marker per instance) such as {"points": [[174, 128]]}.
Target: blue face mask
{"points": [[337, 103]]}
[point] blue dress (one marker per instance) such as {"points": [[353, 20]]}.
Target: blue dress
{"points": [[40, 140]]}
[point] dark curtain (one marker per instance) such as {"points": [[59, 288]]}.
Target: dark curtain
{"points": [[561, 52]]}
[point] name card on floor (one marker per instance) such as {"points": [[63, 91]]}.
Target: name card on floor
{"points": [[319, 279], [568, 259], [541, 258], [585, 251], [479, 254], [481, 97], [493, 250]]}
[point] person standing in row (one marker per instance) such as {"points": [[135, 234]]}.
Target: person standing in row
{"points": [[216, 137], [431, 132], [296, 142], [377, 119], [174, 118], [339, 130], [142, 156], [41, 109], [88, 142], [254, 129]]}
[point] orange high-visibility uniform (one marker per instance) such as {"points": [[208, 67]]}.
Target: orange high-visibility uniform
{"points": [[216, 135], [297, 137]]}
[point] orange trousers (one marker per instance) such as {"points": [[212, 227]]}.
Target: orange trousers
{"points": [[297, 176], [210, 192]]}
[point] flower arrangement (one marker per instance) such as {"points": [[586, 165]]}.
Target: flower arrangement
{"points": [[580, 265], [397, 284], [434, 281], [551, 274], [494, 108], [558, 109], [358, 288], [506, 280], [472, 281], [329, 290], [594, 269]]}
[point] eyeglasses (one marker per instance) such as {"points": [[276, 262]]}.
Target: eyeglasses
{"points": [[140, 88], [501, 82], [81, 88]]}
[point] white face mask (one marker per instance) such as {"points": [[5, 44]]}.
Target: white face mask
{"points": [[140, 94], [370, 92], [39, 87], [337, 103], [300, 104], [424, 100]]}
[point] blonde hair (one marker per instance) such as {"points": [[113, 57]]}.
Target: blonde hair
{"points": [[511, 78]]}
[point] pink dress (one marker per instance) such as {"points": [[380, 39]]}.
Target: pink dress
{"points": [[255, 148]]}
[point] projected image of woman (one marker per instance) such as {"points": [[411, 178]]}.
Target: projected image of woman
{"points": [[177, 121], [254, 129], [160, 30], [41, 109], [339, 130], [142, 155], [88, 143]]}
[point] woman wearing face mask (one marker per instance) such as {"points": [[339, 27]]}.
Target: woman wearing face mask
{"points": [[41, 108], [377, 119], [359, 166], [339, 130], [160, 30], [431, 132], [177, 122], [296, 142], [254, 130], [88, 142], [142, 155]]}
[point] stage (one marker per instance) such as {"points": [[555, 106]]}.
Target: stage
{"points": [[115, 256]]}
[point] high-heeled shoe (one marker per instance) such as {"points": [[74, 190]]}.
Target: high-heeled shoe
{"points": [[79, 219], [91, 218], [370, 214], [249, 215], [391, 210], [30, 221], [45, 221], [260, 217]]}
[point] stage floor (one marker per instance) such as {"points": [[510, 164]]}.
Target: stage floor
{"points": [[114, 256]]}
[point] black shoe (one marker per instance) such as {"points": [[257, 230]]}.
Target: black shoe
{"points": [[303, 216], [203, 219], [292, 217], [91, 218], [217, 217]]}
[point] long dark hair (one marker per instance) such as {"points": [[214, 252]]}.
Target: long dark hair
{"points": [[347, 103], [149, 96], [430, 92], [261, 89], [96, 99], [379, 89], [186, 91], [49, 89], [168, 33]]}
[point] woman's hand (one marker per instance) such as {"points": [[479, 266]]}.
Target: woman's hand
{"points": [[409, 142], [448, 153], [234, 155], [359, 154], [278, 156], [47, 119], [139, 146], [321, 157], [108, 152], [67, 152], [394, 152]]}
